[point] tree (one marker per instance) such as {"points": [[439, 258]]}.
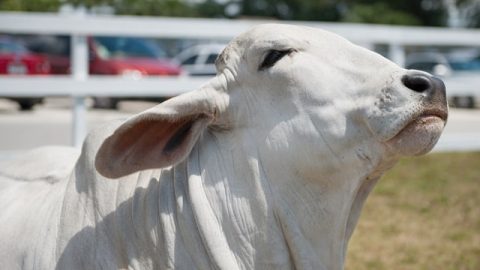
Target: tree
{"points": [[403, 12], [468, 12], [29, 5], [322, 10], [175, 8]]}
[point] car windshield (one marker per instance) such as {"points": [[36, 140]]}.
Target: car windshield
{"points": [[427, 66], [126, 47], [471, 65], [11, 47]]}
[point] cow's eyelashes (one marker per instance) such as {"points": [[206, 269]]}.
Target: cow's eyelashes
{"points": [[272, 57]]}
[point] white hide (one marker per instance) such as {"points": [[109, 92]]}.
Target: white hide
{"points": [[265, 167], [49, 164]]}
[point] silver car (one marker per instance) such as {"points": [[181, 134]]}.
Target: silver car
{"points": [[199, 60]]}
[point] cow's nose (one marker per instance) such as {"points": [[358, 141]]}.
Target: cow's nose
{"points": [[417, 83], [425, 84]]}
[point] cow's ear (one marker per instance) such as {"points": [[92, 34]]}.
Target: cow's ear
{"points": [[159, 137]]}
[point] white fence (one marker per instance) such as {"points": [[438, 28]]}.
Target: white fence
{"points": [[80, 85]]}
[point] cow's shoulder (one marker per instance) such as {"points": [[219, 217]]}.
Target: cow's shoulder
{"points": [[85, 167], [97, 135]]}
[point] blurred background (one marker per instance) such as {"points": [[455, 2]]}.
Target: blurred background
{"points": [[67, 66]]}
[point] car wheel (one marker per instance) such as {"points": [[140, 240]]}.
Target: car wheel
{"points": [[464, 102], [27, 104], [105, 103]]}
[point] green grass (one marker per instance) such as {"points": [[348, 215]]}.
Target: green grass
{"points": [[423, 214]]}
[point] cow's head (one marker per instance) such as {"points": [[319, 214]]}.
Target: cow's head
{"points": [[301, 94]]}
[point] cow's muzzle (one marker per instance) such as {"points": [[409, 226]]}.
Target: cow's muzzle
{"points": [[420, 134]]}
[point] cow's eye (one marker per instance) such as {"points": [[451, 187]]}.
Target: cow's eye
{"points": [[272, 57]]}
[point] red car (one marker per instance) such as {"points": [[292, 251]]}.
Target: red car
{"points": [[16, 59], [125, 56], [128, 56], [110, 56]]}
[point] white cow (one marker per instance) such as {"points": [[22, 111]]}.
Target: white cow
{"points": [[265, 167]]}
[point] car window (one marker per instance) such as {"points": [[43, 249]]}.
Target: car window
{"points": [[211, 58], [10, 47], [472, 65], [51, 45], [425, 66], [124, 47], [190, 61]]}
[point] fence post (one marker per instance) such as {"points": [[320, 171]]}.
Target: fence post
{"points": [[79, 118], [396, 53], [79, 66]]}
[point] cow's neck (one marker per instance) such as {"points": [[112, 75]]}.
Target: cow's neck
{"points": [[270, 215], [318, 219]]}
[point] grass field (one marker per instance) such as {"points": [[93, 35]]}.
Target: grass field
{"points": [[423, 214]]}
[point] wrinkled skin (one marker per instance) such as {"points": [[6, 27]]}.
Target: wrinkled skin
{"points": [[266, 166]]}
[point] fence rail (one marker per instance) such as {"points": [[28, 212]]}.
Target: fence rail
{"points": [[109, 86], [45, 23], [80, 85]]}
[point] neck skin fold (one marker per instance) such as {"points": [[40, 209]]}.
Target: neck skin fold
{"points": [[271, 217]]}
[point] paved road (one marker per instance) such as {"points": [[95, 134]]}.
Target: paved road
{"points": [[51, 124]]}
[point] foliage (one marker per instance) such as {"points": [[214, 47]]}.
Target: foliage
{"points": [[154, 7], [32, 5], [406, 12], [379, 13], [322, 10], [176, 8], [403, 12], [470, 11]]}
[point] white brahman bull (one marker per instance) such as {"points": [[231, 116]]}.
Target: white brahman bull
{"points": [[265, 167]]}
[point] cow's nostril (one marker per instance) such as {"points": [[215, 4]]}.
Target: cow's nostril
{"points": [[417, 83]]}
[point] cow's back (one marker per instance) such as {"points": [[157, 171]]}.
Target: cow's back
{"points": [[32, 187], [49, 164]]}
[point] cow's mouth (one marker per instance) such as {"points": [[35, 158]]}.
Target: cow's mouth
{"points": [[421, 134]]}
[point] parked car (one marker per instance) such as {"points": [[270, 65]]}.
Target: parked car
{"points": [[132, 57], [108, 55], [16, 59], [199, 60], [448, 66], [432, 62]]}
